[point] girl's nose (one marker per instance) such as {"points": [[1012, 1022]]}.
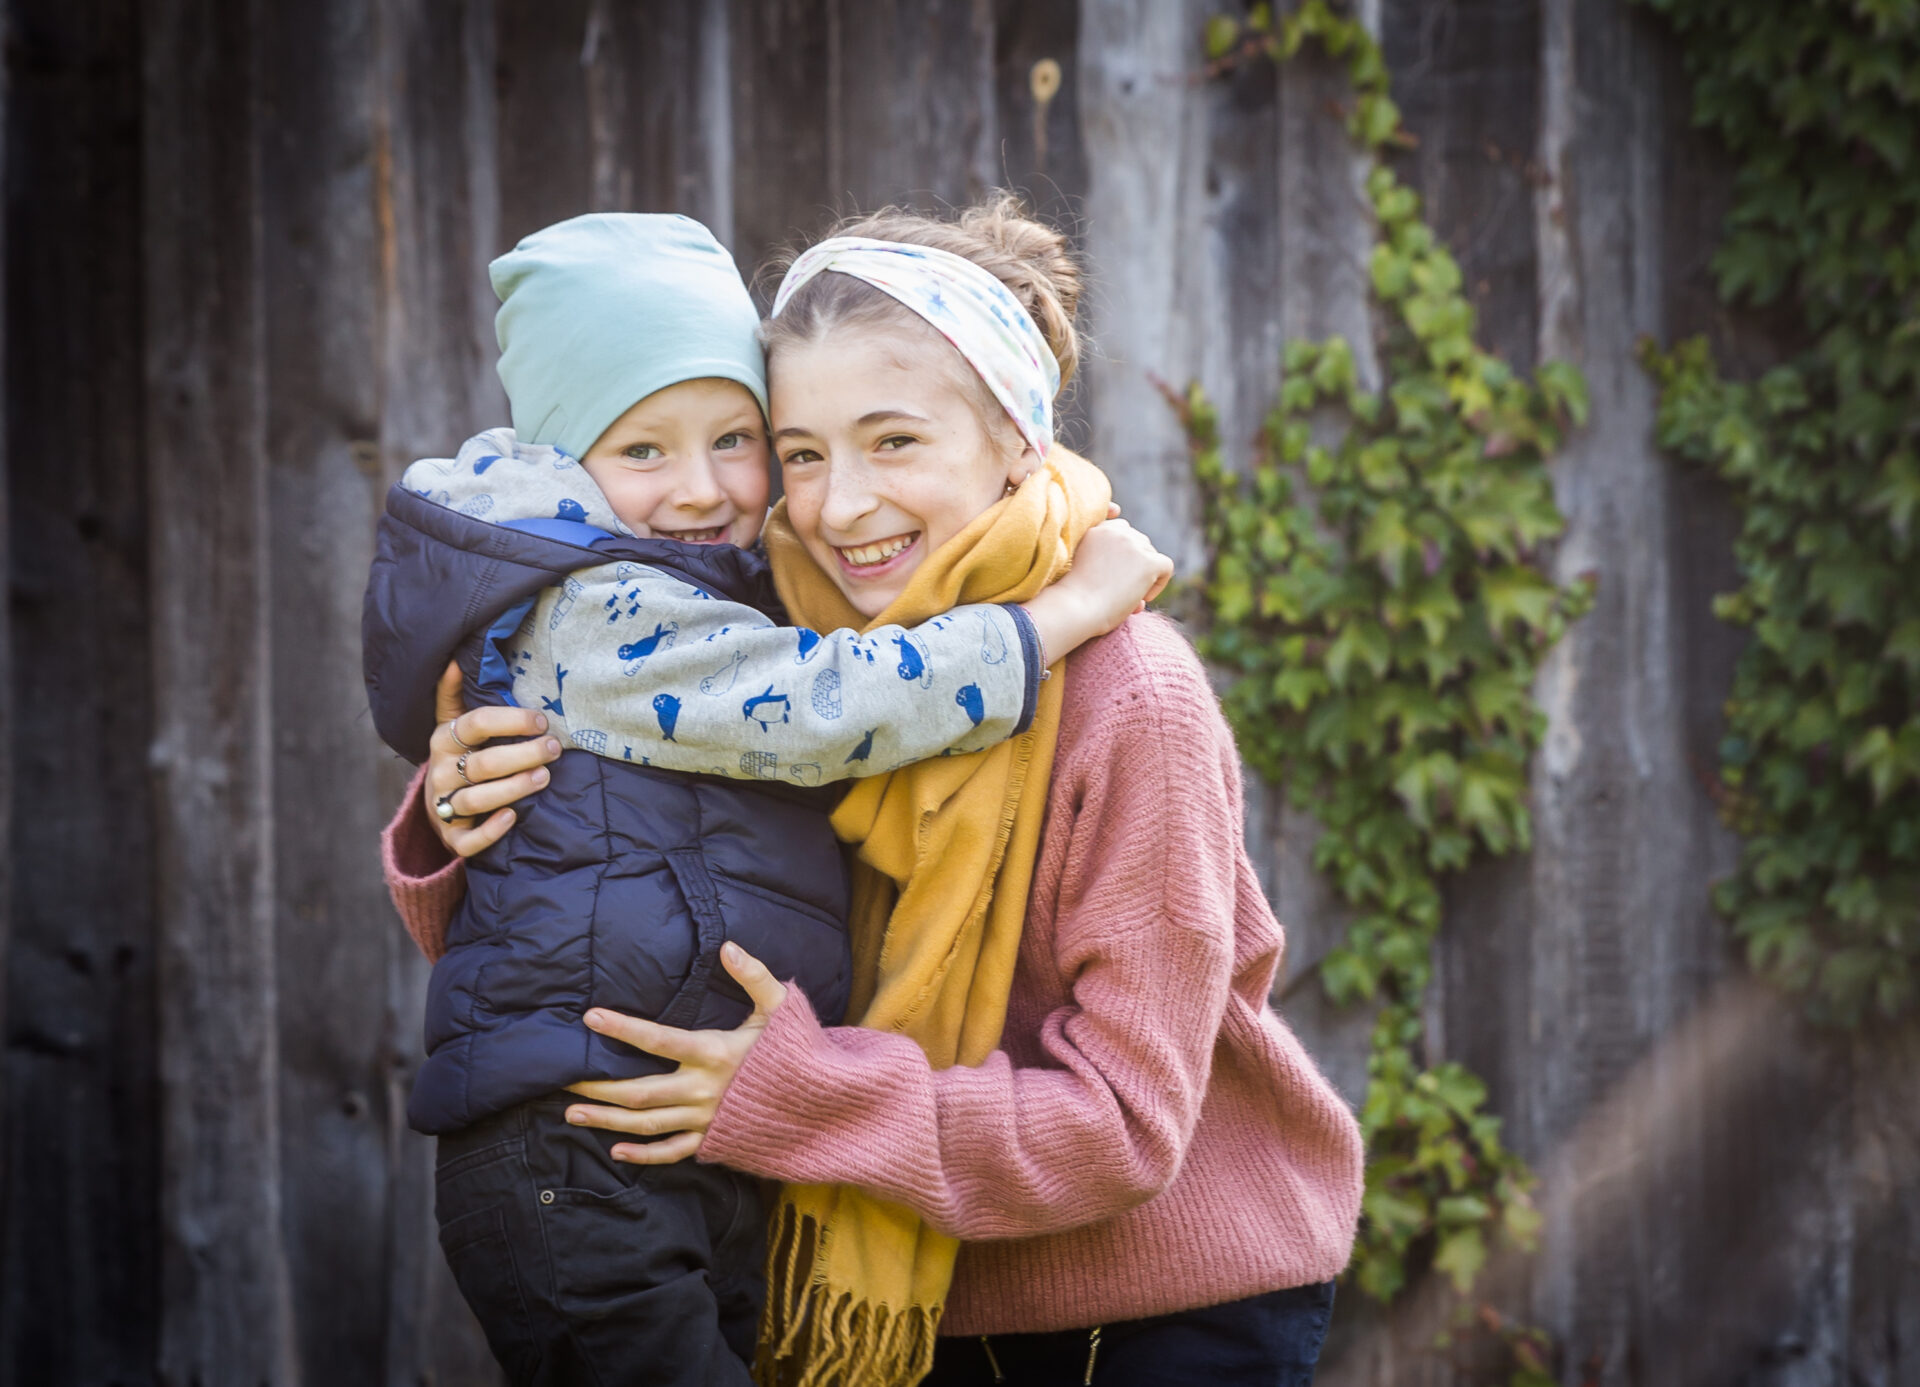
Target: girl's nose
{"points": [[848, 498]]}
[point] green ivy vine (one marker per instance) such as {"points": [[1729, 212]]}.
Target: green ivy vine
{"points": [[1380, 605], [1820, 106]]}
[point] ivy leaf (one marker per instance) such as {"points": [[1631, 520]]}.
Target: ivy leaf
{"points": [[1517, 595], [1461, 1254], [1223, 32], [1564, 389], [1387, 539], [1360, 641]]}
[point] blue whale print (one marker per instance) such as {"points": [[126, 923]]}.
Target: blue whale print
{"points": [[667, 709], [913, 660], [760, 708], [480, 465], [570, 510], [808, 640], [970, 699], [661, 638], [864, 750]]}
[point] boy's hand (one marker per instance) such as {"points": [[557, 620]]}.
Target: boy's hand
{"points": [[1116, 572]]}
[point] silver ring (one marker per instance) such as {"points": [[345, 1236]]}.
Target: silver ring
{"points": [[443, 809], [461, 766], [453, 731]]}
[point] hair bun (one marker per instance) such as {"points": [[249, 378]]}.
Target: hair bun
{"points": [[1031, 258]]}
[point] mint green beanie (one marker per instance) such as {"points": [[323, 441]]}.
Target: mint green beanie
{"points": [[598, 312]]}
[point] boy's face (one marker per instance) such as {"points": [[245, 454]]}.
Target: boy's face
{"points": [[687, 463]]}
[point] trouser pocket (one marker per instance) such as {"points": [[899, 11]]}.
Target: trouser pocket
{"points": [[587, 1270], [476, 1207]]}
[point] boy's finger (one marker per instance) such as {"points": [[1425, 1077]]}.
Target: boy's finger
{"points": [[668, 1042], [666, 1151], [766, 990]]}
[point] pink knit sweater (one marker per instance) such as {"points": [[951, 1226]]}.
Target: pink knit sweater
{"points": [[1151, 1137]]}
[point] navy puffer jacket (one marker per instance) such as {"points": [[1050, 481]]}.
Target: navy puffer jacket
{"points": [[620, 881]]}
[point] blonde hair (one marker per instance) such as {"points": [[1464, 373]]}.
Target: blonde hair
{"points": [[1029, 257]]}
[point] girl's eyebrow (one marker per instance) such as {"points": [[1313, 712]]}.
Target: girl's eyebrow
{"points": [[878, 416]]}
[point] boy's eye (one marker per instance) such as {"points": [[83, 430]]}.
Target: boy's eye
{"points": [[798, 456], [643, 452], [897, 440], [727, 442]]}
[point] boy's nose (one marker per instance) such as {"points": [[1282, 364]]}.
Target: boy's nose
{"points": [[699, 488]]}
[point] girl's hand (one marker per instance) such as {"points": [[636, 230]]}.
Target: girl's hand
{"points": [[684, 1101], [1116, 572], [494, 778]]}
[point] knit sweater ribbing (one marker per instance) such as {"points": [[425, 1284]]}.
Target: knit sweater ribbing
{"points": [[1151, 1136]]}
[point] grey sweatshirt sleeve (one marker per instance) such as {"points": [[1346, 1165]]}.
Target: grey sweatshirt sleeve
{"points": [[636, 665]]}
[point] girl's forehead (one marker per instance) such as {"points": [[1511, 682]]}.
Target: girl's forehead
{"points": [[846, 365]]}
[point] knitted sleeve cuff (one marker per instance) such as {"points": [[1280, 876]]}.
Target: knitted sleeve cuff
{"points": [[425, 881]]}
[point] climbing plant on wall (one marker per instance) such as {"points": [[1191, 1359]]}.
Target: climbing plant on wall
{"points": [[1820, 106], [1378, 596]]}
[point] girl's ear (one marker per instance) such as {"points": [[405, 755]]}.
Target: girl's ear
{"points": [[1024, 465]]}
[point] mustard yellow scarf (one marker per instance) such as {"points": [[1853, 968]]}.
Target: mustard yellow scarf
{"points": [[856, 1285]]}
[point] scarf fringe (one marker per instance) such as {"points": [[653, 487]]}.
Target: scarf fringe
{"points": [[814, 1336]]}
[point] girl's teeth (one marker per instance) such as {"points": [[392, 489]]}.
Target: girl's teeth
{"points": [[867, 555], [697, 536]]}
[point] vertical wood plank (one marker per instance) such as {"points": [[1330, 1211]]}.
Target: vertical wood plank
{"points": [[1623, 941], [226, 1309], [659, 109], [545, 151], [78, 1249], [781, 83], [437, 203], [910, 102], [334, 945], [1466, 73]]}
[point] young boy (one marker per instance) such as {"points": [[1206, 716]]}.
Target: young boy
{"points": [[595, 562]]}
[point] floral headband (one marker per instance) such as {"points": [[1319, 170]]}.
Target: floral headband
{"points": [[969, 307]]}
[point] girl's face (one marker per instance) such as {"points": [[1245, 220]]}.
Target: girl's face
{"points": [[687, 463], [883, 455]]}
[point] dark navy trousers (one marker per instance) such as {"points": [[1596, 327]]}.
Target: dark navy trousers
{"points": [[588, 1272], [1272, 1340]]}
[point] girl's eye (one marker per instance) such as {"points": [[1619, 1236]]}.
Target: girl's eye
{"points": [[798, 456], [727, 442], [897, 440], [644, 452]]}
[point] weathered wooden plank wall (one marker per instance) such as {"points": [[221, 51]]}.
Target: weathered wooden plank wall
{"points": [[245, 250]]}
